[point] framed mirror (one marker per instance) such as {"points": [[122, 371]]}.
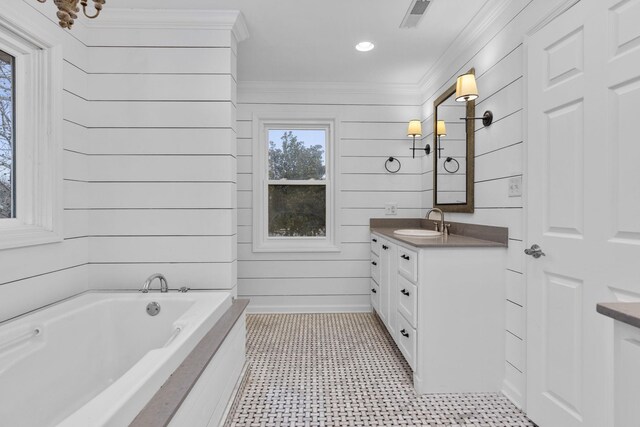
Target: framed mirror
{"points": [[453, 155]]}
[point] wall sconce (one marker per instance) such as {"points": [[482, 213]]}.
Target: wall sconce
{"points": [[441, 130], [415, 129], [467, 90]]}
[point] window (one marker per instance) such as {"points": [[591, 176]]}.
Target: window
{"points": [[30, 143], [7, 147], [293, 185]]}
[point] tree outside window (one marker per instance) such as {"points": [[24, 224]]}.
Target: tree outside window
{"points": [[297, 183], [7, 147]]}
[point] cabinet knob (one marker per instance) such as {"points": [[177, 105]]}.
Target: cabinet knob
{"points": [[404, 292], [374, 263], [403, 256], [374, 290], [374, 240], [404, 333], [385, 247]]}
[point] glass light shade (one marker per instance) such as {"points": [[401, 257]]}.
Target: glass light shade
{"points": [[415, 128], [466, 88], [441, 128]]}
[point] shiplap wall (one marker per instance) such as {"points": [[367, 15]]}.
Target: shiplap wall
{"points": [[31, 277], [498, 57], [371, 128], [162, 157]]}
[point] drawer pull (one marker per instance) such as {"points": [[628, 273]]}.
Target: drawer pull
{"points": [[374, 240], [405, 292], [403, 256], [374, 263], [374, 290], [385, 247], [404, 333]]}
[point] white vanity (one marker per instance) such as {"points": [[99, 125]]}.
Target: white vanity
{"points": [[442, 301], [626, 363]]}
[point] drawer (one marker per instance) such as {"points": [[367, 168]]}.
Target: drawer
{"points": [[375, 244], [407, 300], [408, 264], [375, 296], [375, 267], [407, 341]]}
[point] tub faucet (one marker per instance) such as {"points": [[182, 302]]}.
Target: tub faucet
{"points": [[164, 286], [440, 228]]}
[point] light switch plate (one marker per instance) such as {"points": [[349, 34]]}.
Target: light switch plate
{"points": [[515, 186], [391, 209]]}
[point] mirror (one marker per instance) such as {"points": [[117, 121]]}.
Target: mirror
{"points": [[453, 155]]}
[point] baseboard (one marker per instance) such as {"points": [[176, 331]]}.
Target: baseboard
{"points": [[513, 395], [286, 309]]}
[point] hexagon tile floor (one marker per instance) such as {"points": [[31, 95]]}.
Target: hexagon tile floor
{"points": [[344, 370]]}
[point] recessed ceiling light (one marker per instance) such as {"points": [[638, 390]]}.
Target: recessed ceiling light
{"points": [[365, 46]]}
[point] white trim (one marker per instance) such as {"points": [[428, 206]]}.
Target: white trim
{"points": [[313, 88], [269, 309], [170, 19], [553, 14], [38, 125], [468, 40], [261, 123]]}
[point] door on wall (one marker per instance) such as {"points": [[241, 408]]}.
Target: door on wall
{"points": [[583, 205], [575, 174]]}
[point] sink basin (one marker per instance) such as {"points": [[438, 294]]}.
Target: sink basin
{"points": [[418, 233]]}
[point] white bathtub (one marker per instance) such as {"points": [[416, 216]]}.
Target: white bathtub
{"points": [[97, 359]]}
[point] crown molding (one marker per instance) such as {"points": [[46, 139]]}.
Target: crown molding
{"points": [[326, 90], [491, 13], [170, 19]]}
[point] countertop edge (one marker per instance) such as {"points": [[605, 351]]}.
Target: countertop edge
{"points": [[620, 311]]}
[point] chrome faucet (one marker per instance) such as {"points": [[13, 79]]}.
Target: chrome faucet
{"points": [[441, 227], [164, 286]]}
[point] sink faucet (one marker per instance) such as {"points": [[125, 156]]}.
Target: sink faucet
{"points": [[164, 286], [440, 228]]}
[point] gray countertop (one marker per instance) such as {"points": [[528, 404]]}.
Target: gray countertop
{"points": [[626, 312], [452, 240], [462, 235]]}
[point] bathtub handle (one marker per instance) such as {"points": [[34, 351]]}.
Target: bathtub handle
{"points": [[172, 337], [25, 337]]}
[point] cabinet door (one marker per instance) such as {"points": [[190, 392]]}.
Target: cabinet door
{"points": [[388, 277]]}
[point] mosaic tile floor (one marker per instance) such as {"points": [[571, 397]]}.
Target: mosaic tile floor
{"points": [[344, 370]]}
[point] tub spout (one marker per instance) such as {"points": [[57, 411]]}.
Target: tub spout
{"points": [[164, 286]]}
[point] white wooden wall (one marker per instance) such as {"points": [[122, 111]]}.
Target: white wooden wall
{"points": [[149, 163], [34, 276], [498, 57], [162, 157], [372, 127]]}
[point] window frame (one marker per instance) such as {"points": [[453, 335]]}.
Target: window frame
{"points": [[262, 242], [37, 136]]}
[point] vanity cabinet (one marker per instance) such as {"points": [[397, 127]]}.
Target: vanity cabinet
{"points": [[627, 375], [444, 308]]}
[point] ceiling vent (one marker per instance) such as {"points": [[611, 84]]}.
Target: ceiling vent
{"points": [[415, 13]]}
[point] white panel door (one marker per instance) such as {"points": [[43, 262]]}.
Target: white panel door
{"points": [[569, 344]]}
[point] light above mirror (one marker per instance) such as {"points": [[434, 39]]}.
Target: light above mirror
{"points": [[466, 88]]}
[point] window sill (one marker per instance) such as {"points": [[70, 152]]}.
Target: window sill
{"points": [[292, 249], [22, 236]]}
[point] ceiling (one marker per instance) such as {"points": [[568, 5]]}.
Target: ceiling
{"points": [[314, 41]]}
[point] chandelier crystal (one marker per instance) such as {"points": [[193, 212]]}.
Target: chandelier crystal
{"points": [[68, 10]]}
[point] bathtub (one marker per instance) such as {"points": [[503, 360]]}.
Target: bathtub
{"points": [[99, 358]]}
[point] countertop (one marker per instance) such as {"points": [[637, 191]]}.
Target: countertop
{"points": [[626, 312], [451, 240], [462, 235]]}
